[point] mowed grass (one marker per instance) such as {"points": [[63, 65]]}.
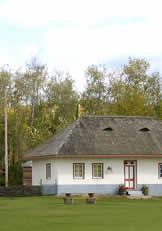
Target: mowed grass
{"points": [[49, 213]]}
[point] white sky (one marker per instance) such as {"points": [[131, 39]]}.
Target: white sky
{"points": [[70, 35]]}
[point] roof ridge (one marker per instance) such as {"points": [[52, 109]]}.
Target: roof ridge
{"points": [[72, 125], [122, 117]]}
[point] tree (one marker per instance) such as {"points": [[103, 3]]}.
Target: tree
{"points": [[4, 83], [32, 83], [62, 100], [135, 72], [94, 97], [136, 92]]}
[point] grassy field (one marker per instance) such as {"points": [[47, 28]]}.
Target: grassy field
{"points": [[49, 213]]}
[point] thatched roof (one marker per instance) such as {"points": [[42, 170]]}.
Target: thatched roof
{"points": [[105, 135]]}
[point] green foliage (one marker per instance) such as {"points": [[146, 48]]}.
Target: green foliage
{"points": [[15, 175], [136, 92], [94, 97], [136, 72], [2, 180], [130, 91], [62, 100]]}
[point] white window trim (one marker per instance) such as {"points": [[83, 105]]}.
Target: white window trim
{"points": [[102, 168], [83, 171]]}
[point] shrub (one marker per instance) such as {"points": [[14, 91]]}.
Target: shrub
{"points": [[15, 174], [145, 188]]}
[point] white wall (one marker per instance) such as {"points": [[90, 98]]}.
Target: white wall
{"points": [[147, 171], [65, 171], [62, 171], [39, 171]]}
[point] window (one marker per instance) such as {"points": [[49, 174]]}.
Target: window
{"points": [[108, 129], [144, 130], [97, 170], [78, 171], [160, 170], [48, 171]]}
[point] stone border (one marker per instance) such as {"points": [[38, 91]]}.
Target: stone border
{"points": [[20, 190]]}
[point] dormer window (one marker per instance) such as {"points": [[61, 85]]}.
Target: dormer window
{"points": [[144, 130], [108, 129]]}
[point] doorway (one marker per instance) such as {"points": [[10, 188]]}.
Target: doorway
{"points": [[130, 174]]}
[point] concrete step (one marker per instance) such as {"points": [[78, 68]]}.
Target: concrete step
{"points": [[140, 197], [134, 193]]}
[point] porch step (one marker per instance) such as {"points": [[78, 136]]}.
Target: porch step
{"points": [[134, 193]]}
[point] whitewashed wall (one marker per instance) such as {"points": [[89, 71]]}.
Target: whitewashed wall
{"points": [[147, 171], [39, 172], [62, 171], [116, 177]]}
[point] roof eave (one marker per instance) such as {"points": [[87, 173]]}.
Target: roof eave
{"points": [[91, 155]]}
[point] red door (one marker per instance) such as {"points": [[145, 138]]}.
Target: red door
{"points": [[130, 174]]}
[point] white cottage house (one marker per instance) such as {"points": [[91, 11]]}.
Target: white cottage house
{"points": [[99, 153]]}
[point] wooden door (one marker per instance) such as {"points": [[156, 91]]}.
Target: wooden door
{"points": [[130, 174]]}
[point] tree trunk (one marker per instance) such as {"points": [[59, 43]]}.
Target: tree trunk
{"points": [[6, 142]]}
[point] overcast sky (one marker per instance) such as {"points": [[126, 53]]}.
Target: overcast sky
{"points": [[72, 34]]}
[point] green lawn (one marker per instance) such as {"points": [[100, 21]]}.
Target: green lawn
{"points": [[49, 213]]}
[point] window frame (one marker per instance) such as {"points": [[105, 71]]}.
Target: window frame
{"points": [[83, 171], [160, 177], [102, 171], [48, 177]]}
